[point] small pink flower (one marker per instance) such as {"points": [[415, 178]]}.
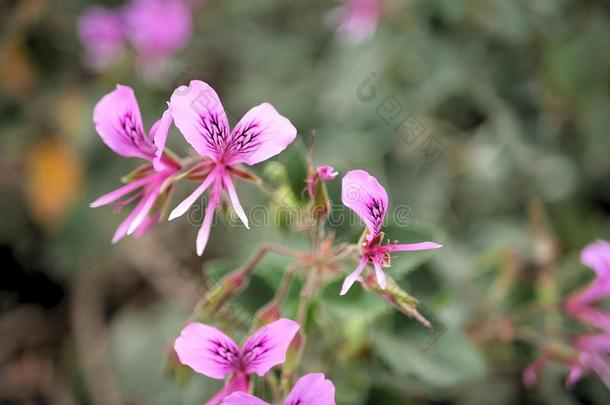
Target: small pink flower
{"points": [[357, 19], [326, 173], [101, 32], [259, 135], [594, 357], [157, 29], [322, 173], [210, 352], [119, 123], [581, 305], [366, 197], [311, 389]]}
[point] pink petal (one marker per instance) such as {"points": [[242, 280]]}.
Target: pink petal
{"points": [[595, 317], [351, 279], [119, 123], [200, 117], [600, 364], [126, 224], [530, 374], [147, 203], [119, 192], [241, 398], [259, 135], [381, 278], [267, 346], [599, 342], [312, 389], [575, 374], [239, 382], [204, 232], [190, 200], [364, 195], [158, 133], [597, 256], [122, 229], [235, 199], [147, 224], [207, 350], [411, 247], [598, 289], [594, 355]]}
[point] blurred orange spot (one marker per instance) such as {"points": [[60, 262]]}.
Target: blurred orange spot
{"points": [[17, 73], [53, 180]]}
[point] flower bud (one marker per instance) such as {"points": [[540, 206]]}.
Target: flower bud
{"points": [[403, 301], [230, 285], [326, 172], [317, 190], [269, 313]]}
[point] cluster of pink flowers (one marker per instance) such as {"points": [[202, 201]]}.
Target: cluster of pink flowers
{"points": [[592, 347], [156, 29], [224, 154], [261, 134]]}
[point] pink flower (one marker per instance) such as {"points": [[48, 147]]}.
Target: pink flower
{"points": [[119, 123], [210, 352], [326, 173], [101, 32], [157, 29], [581, 305], [366, 197], [259, 135], [322, 173], [311, 389], [357, 19], [594, 357]]}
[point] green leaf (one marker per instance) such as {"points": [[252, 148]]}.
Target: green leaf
{"points": [[446, 362]]}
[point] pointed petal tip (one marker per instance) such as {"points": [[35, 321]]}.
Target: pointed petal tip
{"points": [[345, 287], [173, 215], [134, 225]]}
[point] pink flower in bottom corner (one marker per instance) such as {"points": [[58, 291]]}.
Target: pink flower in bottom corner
{"points": [[119, 123], [210, 352], [311, 389], [357, 20], [261, 134], [362, 193], [582, 304]]}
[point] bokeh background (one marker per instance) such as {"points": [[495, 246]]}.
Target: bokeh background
{"points": [[487, 118]]}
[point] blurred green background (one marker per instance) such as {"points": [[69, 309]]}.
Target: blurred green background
{"points": [[487, 118]]}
